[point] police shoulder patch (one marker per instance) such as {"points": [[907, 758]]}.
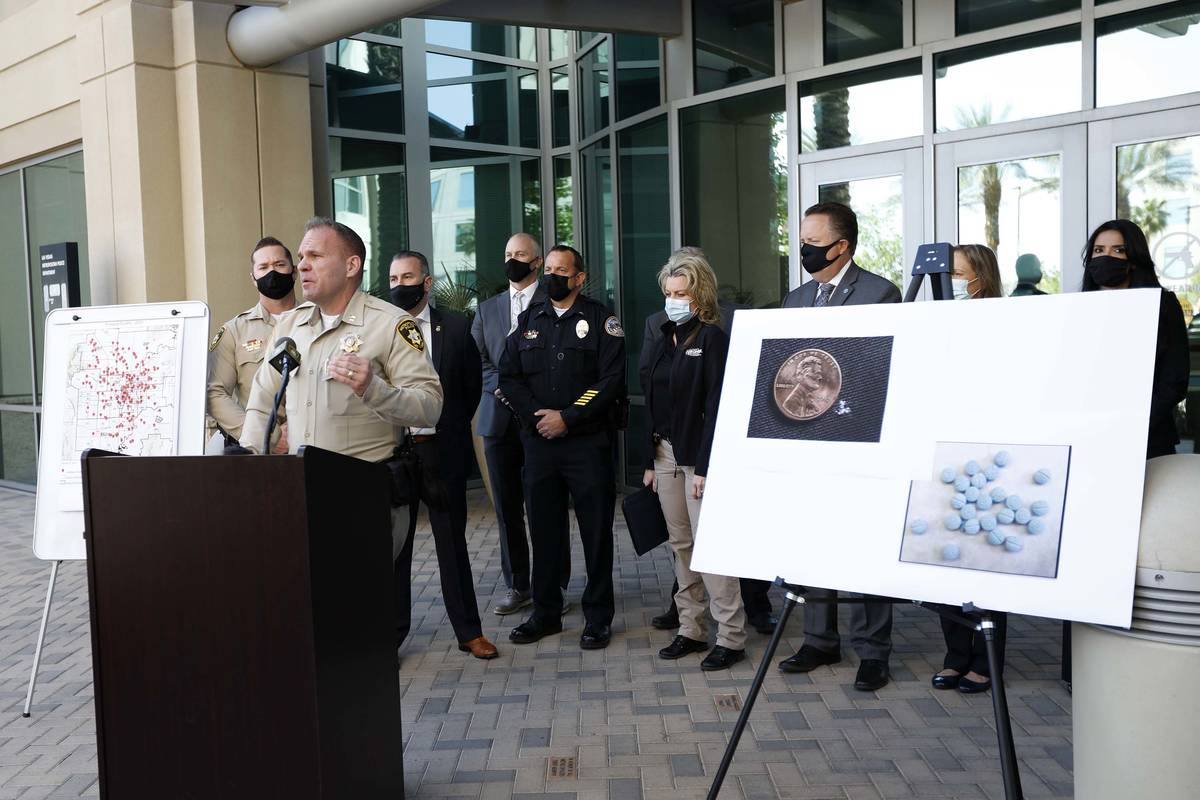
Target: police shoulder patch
{"points": [[407, 330], [216, 338], [613, 328]]}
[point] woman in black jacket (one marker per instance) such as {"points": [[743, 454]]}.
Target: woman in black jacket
{"points": [[1118, 257], [682, 380]]}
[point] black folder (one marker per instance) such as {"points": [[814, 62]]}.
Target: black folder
{"points": [[644, 516]]}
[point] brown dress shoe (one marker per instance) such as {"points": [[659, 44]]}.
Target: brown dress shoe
{"points": [[480, 648]]}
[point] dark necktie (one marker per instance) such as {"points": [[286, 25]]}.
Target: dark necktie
{"points": [[824, 291]]}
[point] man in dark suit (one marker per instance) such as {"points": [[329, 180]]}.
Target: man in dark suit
{"points": [[494, 320], [444, 452], [828, 236]]}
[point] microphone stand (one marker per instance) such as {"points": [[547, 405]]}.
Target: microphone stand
{"points": [[287, 374]]}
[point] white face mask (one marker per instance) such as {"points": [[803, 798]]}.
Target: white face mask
{"points": [[961, 292], [678, 311]]}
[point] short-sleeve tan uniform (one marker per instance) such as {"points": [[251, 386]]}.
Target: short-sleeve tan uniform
{"points": [[234, 356]]}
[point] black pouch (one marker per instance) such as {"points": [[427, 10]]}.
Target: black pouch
{"points": [[405, 469]]}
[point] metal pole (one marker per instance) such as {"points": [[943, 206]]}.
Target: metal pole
{"points": [[37, 652], [1008, 753]]}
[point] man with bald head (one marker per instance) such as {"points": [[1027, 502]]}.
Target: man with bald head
{"points": [[495, 318]]}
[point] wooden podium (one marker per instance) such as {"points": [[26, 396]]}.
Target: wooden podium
{"points": [[243, 639]]}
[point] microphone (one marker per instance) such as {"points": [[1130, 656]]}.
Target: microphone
{"points": [[285, 357]]}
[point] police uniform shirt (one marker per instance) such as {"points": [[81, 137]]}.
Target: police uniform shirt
{"points": [[234, 356], [573, 363], [404, 390]]}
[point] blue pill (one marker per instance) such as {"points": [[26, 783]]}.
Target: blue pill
{"points": [[1039, 508], [1013, 545], [972, 494], [950, 552], [962, 483], [995, 537], [978, 480], [1041, 477], [967, 511], [972, 467], [1012, 501], [948, 475], [952, 522], [971, 527], [958, 501], [919, 526], [991, 472], [1022, 516], [1005, 516], [984, 502], [1036, 526], [998, 495], [987, 522], [1001, 459]]}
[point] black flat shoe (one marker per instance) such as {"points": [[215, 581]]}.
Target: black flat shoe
{"points": [[666, 622], [872, 675], [967, 686], [681, 647], [595, 636], [945, 681], [807, 659], [721, 658], [532, 630], [763, 623]]}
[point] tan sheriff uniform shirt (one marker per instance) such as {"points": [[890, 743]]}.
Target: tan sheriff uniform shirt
{"points": [[404, 390], [234, 356]]}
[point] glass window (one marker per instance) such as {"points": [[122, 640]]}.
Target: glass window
{"points": [[16, 364], [560, 44], [564, 202], [1015, 208], [1148, 54], [593, 90], [871, 105], [596, 165], [583, 37], [857, 28], [637, 74], [374, 202], [363, 86], [733, 159], [480, 101], [982, 15], [734, 41], [560, 107], [18, 447], [1158, 187], [1028, 76], [498, 40], [531, 197], [388, 29], [879, 205]]}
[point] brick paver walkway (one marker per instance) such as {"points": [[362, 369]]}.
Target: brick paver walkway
{"points": [[635, 726]]}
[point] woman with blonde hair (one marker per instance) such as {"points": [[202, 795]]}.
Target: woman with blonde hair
{"points": [[682, 380]]}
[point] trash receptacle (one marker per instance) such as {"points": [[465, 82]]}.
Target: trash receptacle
{"points": [[1137, 692]]}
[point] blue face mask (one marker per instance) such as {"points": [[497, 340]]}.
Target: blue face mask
{"points": [[678, 311]]}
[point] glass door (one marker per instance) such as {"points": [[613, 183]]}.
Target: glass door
{"points": [[884, 190], [1022, 195]]}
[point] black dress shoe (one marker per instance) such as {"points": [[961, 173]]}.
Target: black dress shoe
{"points": [[968, 686], [721, 658], [533, 629], [681, 647], [763, 623], [945, 681], [595, 636], [668, 621], [807, 659], [872, 675]]}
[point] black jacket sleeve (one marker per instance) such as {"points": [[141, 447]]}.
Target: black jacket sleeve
{"points": [[1171, 360], [715, 352], [609, 386], [472, 374], [514, 384]]}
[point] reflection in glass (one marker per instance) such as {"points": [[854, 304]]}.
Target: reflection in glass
{"points": [[645, 182], [1015, 208], [376, 207], [596, 166], [871, 105], [16, 368], [346, 154], [475, 101], [1148, 54], [1028, 76], [982, 15], [734, 41], [560, 44], [733, 162], [1158, 187], [879, 205], [363, 86], [560, 107], [593, 90], [637, 74], [498, 40], [18, 447], [564, 202], [858, 28], [531, 197]]}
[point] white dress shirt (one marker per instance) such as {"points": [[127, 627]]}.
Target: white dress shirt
{"points": [[518, 301]]}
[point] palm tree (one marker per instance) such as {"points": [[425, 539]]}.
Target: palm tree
{"points": [[1148, 165], [831, 117]]}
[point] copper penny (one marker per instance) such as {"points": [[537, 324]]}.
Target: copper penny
{"points": [[807, 384]]}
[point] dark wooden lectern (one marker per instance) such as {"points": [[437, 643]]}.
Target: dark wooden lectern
{"points": [[243, 639]]}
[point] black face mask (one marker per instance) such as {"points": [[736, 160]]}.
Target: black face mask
{"points": [[407, 297], [815, 257], [558, 287], [1108, 270], [517, 270], [275, 285]]}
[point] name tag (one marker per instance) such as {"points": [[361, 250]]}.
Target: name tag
{"points": [[694, 352]]}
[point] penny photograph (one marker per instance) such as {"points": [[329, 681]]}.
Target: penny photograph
{"points": [[821, 389], [991, 507]]}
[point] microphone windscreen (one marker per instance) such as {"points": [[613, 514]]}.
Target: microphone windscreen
{"points": [[285, 347]]}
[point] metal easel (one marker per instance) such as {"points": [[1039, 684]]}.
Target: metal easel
{"points": [[41, 640]]}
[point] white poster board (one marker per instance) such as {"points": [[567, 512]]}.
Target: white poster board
{"points": [[128, 379], [1053, 383]]}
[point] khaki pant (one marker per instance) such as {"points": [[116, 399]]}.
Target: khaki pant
{"points": [[682, 512]]}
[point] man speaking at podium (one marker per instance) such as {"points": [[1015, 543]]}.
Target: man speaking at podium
{"points": [[363, 375]]}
